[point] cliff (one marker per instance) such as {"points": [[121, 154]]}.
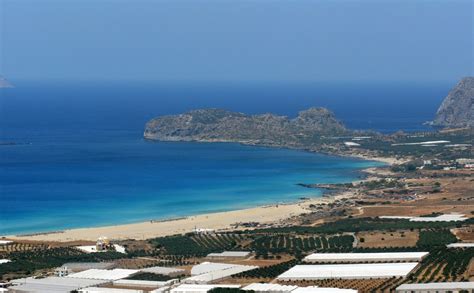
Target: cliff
{"points": [[222, 125], [457, 109]]}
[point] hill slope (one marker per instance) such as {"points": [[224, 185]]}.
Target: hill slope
{"points": [[457, 109]]}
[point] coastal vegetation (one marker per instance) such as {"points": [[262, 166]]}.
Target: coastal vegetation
{"points": [[27, 262], [197, 245], [356, 225]]}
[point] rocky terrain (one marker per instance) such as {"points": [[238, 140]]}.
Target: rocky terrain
{"points": [[222, 125], [457, 109]]}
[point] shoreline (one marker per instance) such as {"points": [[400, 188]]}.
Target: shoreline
{"points": [[218, 221], [273, 213]]}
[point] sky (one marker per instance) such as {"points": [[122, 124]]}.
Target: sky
{"points": [[237, 41]]}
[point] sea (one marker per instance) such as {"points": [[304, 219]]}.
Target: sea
{"points": [[72, 154]]}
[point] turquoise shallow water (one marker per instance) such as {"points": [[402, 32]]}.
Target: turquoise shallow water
{"points": [[97, 178], [84, 163]]}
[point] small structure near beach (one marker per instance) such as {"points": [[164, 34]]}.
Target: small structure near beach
{"points": [[103, 244]]}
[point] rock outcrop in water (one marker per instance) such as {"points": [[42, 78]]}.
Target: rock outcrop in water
{"points": [[222, 125], [4, 83], [457, 109]]}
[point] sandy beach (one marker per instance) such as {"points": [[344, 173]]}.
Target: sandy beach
{"points": [[218, 221], [268, 214]]}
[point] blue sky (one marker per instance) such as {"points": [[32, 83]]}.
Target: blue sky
{"points": [[237, 41]]}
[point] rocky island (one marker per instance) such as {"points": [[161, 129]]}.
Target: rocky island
{"points": [[457, 109], [216, 125]]}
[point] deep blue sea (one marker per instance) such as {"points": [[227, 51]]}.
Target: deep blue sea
{"points": [[80, 160]]}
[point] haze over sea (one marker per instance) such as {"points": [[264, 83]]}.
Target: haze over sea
{"points": [[79, 158]]}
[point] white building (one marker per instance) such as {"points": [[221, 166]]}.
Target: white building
{"points": [[351, 144], [365, 257], [347, 271], [203, 231], [452, 287]]}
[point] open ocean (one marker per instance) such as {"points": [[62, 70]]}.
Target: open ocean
{"points": [[80, 160]]}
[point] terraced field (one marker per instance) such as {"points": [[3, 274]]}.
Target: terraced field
{"points": [[443, 265], [295, 244], [198, 245]]}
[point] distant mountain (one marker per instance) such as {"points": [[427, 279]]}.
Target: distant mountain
{"points": [[222, 125], [457, 109], [4, 83]]}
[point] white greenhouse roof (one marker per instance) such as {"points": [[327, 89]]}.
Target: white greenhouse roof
{"points": [[207, 267], [441, 218], [163, 270], [375, 256], [348, 271], [98, 274], [434, 286], [53, 284], [268, 287], [218, 274], [4, 260], [230, 254], [161, 290], [141, 283], [108, 290], [82, 266], [315, 289], [188, 288], [460, 245]]}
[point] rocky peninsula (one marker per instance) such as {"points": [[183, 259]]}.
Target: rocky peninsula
{"points": [[220, 125]]}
